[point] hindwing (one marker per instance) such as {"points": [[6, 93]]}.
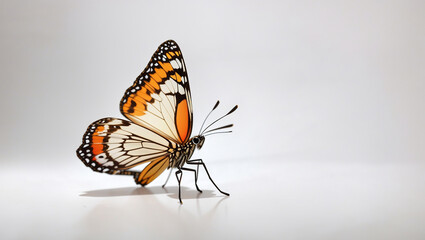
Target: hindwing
{"points": [[112, 144]]}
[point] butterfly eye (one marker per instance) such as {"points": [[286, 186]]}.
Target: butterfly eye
{"points": [[195, 140]]}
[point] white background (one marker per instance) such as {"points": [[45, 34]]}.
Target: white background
{"points": [[327, 144]]}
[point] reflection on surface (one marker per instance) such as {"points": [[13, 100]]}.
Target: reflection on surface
{"points": [[172, 192], [145, 210], [126, 191], [301, 200]]}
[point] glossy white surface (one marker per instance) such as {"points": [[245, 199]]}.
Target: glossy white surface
{"points": [[275, 198]]}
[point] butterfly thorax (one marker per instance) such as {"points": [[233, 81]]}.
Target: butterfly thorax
{"points": [[182, 153]]}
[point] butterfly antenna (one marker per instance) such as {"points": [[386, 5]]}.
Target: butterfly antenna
{"points": [[219, 128], [233, 109], [217, 133], [215, 106]]}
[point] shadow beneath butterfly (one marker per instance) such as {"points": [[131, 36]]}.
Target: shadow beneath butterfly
{"points": [[172, 192], [132, 215]]}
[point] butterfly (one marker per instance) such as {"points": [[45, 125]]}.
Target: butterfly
{"points": [[158, 107]]}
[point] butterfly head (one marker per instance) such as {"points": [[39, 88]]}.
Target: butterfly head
{"points": [[198, 141]]}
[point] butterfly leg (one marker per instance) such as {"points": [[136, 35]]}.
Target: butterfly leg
{"points": [[171, 170], [179, 179], [200, 162], [196, 177]]}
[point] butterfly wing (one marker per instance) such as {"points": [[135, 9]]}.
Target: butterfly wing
{"points": [[112, 145], [159, 98], [152, 170]]}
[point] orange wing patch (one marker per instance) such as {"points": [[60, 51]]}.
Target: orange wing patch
{"points": [[97, 141], [166, 66], [137, 101], [182, 120], [170, 55], [176, 77]]}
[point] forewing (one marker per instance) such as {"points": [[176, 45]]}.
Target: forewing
{"points": [[159, 98], [112, 144]]}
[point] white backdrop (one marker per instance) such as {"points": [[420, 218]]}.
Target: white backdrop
{"points": [[318, 83]]}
